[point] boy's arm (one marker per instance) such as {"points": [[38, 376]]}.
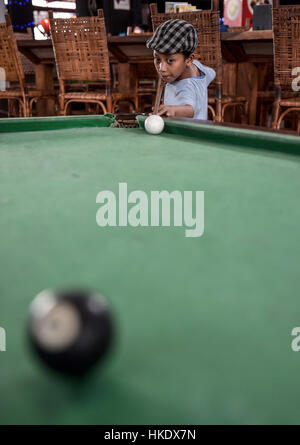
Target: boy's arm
{"points": [[176, 111], [210, 74]]}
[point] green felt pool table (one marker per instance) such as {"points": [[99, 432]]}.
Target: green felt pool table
{"points": [[203, 323]]}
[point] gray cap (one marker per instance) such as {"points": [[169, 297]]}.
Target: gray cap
{"points": [[174, 36]]}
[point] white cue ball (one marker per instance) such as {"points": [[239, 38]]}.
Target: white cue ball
{"points": [[154, 124]]}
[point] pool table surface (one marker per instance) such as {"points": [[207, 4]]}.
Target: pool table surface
{"points": [[203, 325]]}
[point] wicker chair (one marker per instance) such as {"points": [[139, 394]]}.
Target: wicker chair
{"points": [[81, 54], [286, 29], [207, 25], [11, 65]]}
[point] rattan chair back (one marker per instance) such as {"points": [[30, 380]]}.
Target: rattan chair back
{"points": [[9, 55], [80, 47], [286, 30]]}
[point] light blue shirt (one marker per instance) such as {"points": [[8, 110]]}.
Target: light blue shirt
{"points": [[191, 91]]}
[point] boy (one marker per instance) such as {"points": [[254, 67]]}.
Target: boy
{"points": [[173, 44]]}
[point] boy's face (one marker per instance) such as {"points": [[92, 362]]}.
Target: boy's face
{"points": [[171, 67]]}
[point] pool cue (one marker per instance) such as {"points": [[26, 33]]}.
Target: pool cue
{"points": [[159, 91]]}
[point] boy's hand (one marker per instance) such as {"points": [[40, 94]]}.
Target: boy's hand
{"points": [[167, 110], [175, 111]]}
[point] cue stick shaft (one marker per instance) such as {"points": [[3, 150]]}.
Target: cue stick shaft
{"points": [[160, 87]]}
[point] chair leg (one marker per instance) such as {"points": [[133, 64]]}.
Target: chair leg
{"points": [[61, 105], [241, 105], [275, 113], [98, 102], [25, 107], [133, 105], [288, 110], [104, 109], [65, 109], [109, 104], [219, 114], [245, 117], [212, 111], [223, 112], [34, 99], [21, 111]]}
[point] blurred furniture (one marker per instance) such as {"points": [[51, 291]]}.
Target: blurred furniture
{"points": [[134, 65], [18, 92], [146, 83], [28, 69], [207, 25], [250, 57], [28, 66], [245, 57], [81, 55], [146, 78], [286, 29]]}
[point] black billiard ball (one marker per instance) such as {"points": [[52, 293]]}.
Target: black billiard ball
{"points": [[70, 330]]}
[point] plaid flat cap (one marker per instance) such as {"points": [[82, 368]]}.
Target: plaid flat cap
{"points": [[174, 36]]}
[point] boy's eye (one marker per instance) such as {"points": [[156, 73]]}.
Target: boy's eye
{"points": [[170, 60], [156, 59]]}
